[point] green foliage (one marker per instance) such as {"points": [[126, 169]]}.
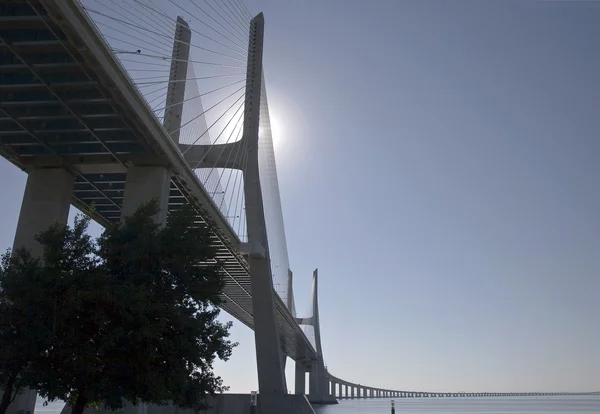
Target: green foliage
{"points": [[25, 324], [130, 316]]}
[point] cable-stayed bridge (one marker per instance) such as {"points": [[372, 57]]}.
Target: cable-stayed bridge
{"points": [[109, 103]]}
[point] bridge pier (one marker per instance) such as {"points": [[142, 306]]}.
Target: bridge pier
{"points": [[300, 378], [46, 200], [144, 184]]}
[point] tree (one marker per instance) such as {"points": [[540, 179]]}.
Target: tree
{"points": [[133, 314], [25, 326]]}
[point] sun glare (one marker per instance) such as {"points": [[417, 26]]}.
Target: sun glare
{"points": [[277, 128]]}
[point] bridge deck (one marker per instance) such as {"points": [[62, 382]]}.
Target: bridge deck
{"points": [[65, 101]]}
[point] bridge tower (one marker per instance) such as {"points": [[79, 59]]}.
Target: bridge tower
{"points": [[319, 390], [271, 375], [273, 395]]}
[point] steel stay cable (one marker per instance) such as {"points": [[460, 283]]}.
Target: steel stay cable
{"points": [[148, 70], [134, 15], [146, 63], [212, 145], [218, 103], [168, 58], [228, 139], [234, 18], [217, 180], [160, 42], [243, 197], [159, 103], [244, 9], [235, 161], [160, 11], [206, 24], [196, 78], [239, 176], [166, 25], [203, 94], [243, 19], [202, 34], [224, 19], [190, 79], [166, 44], [90, 10], [216, 21], [129, 43]]}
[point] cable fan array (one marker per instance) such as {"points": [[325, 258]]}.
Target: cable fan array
{"points": [[309, 330], [141, 33]]}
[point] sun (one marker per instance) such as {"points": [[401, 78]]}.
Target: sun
{"points": [[277, 128]]}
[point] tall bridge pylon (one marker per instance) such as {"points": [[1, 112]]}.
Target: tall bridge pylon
{"points": [[319, 392]]}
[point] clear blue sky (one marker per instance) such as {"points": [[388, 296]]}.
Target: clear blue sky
{"points": [[439, 164]]}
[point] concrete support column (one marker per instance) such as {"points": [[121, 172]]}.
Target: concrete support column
{"points": [[313, 380], [144, 184], [300, 378], [346, 390], [46, 201]]}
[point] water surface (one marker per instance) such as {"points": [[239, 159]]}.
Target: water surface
{"points": [[482, 405]]}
